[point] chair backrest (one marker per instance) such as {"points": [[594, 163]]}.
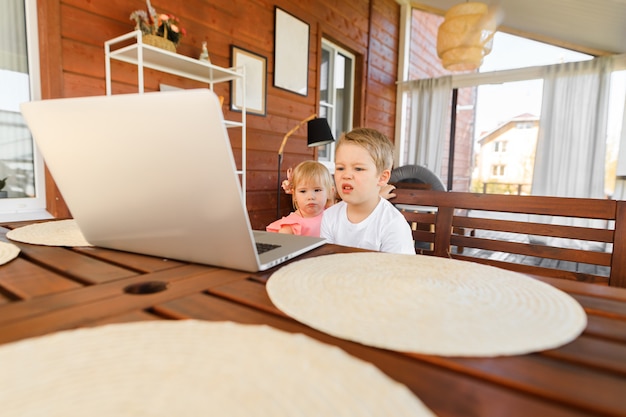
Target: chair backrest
{"points": [[519, 233], [416, 174]]}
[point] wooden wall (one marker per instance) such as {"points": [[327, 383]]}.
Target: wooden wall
{"points": [[72, 35]]}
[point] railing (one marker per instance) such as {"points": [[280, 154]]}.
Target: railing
{"points": [[506, 188]]}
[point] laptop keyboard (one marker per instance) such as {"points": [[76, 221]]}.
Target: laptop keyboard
{"points": [[264, 247]]}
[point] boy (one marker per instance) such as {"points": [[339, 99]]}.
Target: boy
{"points": [[363, 160]]}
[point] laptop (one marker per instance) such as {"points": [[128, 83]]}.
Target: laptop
{"points": [[154, 174]]}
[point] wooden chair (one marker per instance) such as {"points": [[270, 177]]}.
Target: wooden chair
{"points": [[418, 175], [413, 214], [504, 232]]}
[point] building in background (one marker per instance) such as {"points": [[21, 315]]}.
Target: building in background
{"points": [[505, 157]]}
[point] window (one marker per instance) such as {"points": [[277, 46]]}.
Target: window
{"points": [[524, 100], [503, 100], [500, 103], [500, 146], [497, 170], [336, 94], [20, 163]]}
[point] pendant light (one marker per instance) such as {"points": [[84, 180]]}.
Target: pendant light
{"points": [[466, 36]]}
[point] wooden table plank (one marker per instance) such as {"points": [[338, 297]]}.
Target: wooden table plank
{"points": [[23, 280], [72, 264], [602, 306], [17, 311], [575, 378], [586, 388], [132, 316], [607, 328], [105, 300], [434, 385], [40, 294], [4, 299], [248, 292], [595, 290], [605, 355], [133, 261], [100, 265]]}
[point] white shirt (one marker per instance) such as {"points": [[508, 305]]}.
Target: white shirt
{"points": [[384, 230]]}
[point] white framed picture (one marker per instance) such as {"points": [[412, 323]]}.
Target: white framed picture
{"points": [[255, 87], [291, 53]]}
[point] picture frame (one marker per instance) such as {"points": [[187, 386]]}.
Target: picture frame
{"points": [[256, 81], [291, 53]]}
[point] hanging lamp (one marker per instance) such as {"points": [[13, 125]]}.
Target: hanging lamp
{"points": [[466, 36]]}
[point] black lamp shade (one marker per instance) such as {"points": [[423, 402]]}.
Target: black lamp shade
{"points": [[318, 132]]}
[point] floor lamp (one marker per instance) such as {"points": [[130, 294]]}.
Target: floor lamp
{"points": [[318, 134]]}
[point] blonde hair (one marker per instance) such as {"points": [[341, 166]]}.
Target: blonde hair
{"points": [[377, 145], [309, 171]]}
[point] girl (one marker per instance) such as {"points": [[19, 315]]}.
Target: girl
{"points": [[313, 190]]}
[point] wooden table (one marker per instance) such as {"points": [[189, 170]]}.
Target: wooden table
{"points": [[48, 289]]}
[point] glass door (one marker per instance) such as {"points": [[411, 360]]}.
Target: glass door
{"points": [[22, 192], [336, 95]]}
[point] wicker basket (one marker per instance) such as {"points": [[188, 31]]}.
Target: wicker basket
{"points": [[159, 42]]}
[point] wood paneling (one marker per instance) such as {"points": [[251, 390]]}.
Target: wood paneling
{"points": [[73, 32]]}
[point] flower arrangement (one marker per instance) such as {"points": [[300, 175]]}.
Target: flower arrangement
{"points": [[163, 25]]}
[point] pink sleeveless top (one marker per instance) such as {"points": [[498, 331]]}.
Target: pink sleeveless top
{"points": [[305, 226]]}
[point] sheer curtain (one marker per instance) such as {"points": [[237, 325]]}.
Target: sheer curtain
{"points": [[571, 147], [13, 39], [428, 119], [620, 180]]}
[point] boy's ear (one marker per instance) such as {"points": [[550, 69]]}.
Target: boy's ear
{"points": [[384, 177]]}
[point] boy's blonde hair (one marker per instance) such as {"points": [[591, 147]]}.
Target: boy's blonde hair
{"points": [[309, 171], [378, 145]]}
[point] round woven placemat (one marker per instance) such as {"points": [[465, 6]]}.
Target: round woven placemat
{"points": [[52, 233], [8, 252], [426, 304], [192, 368]]}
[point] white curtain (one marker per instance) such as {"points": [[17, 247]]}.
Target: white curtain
{"points": [[620, 180], [13, 36], [571, 147], [427, 123]]}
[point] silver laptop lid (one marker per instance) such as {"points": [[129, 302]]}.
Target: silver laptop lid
{"points": [[149, 173]]}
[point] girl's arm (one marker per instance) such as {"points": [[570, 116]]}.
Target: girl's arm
{"points": [[287, 229]]}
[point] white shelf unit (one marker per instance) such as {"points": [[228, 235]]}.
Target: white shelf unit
{"points": [[147, 56]]}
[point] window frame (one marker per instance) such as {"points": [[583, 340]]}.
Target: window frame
{"points": [[497, 170], [329, 106], [31, 208], [500, 146]]}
